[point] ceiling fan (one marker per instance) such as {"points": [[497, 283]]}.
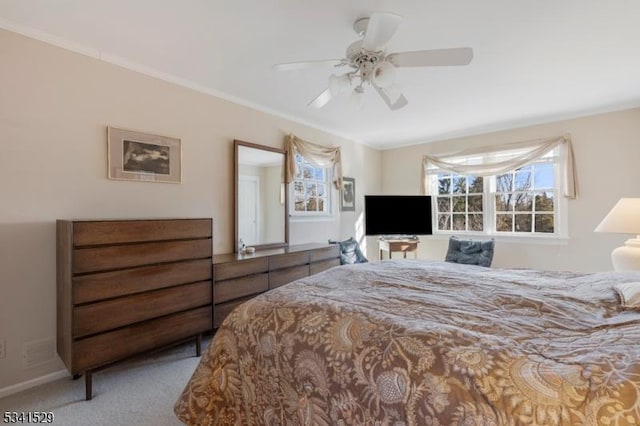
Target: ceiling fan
{"points": [[370, 64]]}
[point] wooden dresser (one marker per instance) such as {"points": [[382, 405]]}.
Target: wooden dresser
{"points": [[239, 277], [130, 286]]}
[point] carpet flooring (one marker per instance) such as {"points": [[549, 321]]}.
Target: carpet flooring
{"points": [[140, 391]]}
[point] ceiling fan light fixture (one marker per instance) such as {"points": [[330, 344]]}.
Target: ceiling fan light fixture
{"points": [[338, 83], [357, 97], [384, 74]]}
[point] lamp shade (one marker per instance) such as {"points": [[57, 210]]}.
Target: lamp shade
{"points": [[384, 74], [357, 97], [623, 218]]}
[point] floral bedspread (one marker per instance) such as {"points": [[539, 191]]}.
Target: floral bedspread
{"points": [[405, 342]]}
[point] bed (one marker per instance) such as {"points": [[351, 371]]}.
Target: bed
{"points": [[407, 342]]}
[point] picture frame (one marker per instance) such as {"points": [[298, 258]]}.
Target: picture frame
{"points": [[138, 156], [348, 195]]}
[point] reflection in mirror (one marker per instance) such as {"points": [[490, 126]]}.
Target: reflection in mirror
{"points": [[261, 198]]}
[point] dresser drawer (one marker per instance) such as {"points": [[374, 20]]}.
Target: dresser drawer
{"points": [[114, 313], [288, 259], [323, 265], [115, 345], [224, 271], [221, 311], [98, 259], [325, 253], [285, 276], [239, 287], [90, 233], [105, 285]]}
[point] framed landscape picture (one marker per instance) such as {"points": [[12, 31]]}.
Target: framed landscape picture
{"points": [[141, 156], [348, 199]]}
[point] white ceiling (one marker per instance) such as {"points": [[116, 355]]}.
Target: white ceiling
{"points": [[534, 61]]}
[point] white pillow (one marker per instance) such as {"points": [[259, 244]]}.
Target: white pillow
{"points": [[629, 294]]}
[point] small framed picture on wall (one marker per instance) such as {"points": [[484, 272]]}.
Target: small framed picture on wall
{"points": [[348, 198]]}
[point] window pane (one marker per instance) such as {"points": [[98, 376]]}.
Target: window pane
{"points": [[444, 222], [544, 223], [503, 182], [523, 202], [319, 174], [312, 204], [320, 204], [476, 185], [459, 222], [544, 176], [311, 189], [307, 172], [459, 204], [299, 205], [475, 203], [504, 202], [459, 185], [444, 186], [522, 181], [544, 202], [476, 222], [504, 222], [444, 204], [523, 223]]}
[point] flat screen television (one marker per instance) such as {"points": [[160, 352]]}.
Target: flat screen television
{"points": [[397, 214]]}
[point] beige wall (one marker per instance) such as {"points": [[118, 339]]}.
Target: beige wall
{"points": [[54, 109], [607, 149]]}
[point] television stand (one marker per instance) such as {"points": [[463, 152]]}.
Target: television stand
{"points": [[398, 243]]}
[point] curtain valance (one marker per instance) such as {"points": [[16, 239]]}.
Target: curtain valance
{"points": [[318, 155], [498, 159]]}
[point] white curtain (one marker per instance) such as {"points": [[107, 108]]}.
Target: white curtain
{"points": [[318, 155], [500, 159]]}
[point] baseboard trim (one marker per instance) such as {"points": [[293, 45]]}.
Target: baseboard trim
{"points": [[18, 387]]}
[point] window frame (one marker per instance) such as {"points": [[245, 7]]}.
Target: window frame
{"points": [[489, 212], [328, 198]]}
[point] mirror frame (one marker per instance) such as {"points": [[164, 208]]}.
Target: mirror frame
{"points": [[236, 145]]}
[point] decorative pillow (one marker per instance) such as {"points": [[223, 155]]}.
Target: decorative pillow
{"points": [[350, 251], [629, 294], [470, 252]]}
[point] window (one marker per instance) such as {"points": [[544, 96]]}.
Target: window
{"points": [[523, 201], [311, 188], [460, 203]]}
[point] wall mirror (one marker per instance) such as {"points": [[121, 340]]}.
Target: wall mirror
{"points": [[261, 197]]}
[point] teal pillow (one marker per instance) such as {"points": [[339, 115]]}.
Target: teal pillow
{"points": [[350, 251], [470, 252]]}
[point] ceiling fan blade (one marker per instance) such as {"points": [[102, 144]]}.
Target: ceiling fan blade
{"points": [[399, 103], [432, 58], [381, 27], [321, 100], [289, 66]]}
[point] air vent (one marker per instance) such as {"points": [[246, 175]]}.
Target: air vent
{"points": [[38, 352]]}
